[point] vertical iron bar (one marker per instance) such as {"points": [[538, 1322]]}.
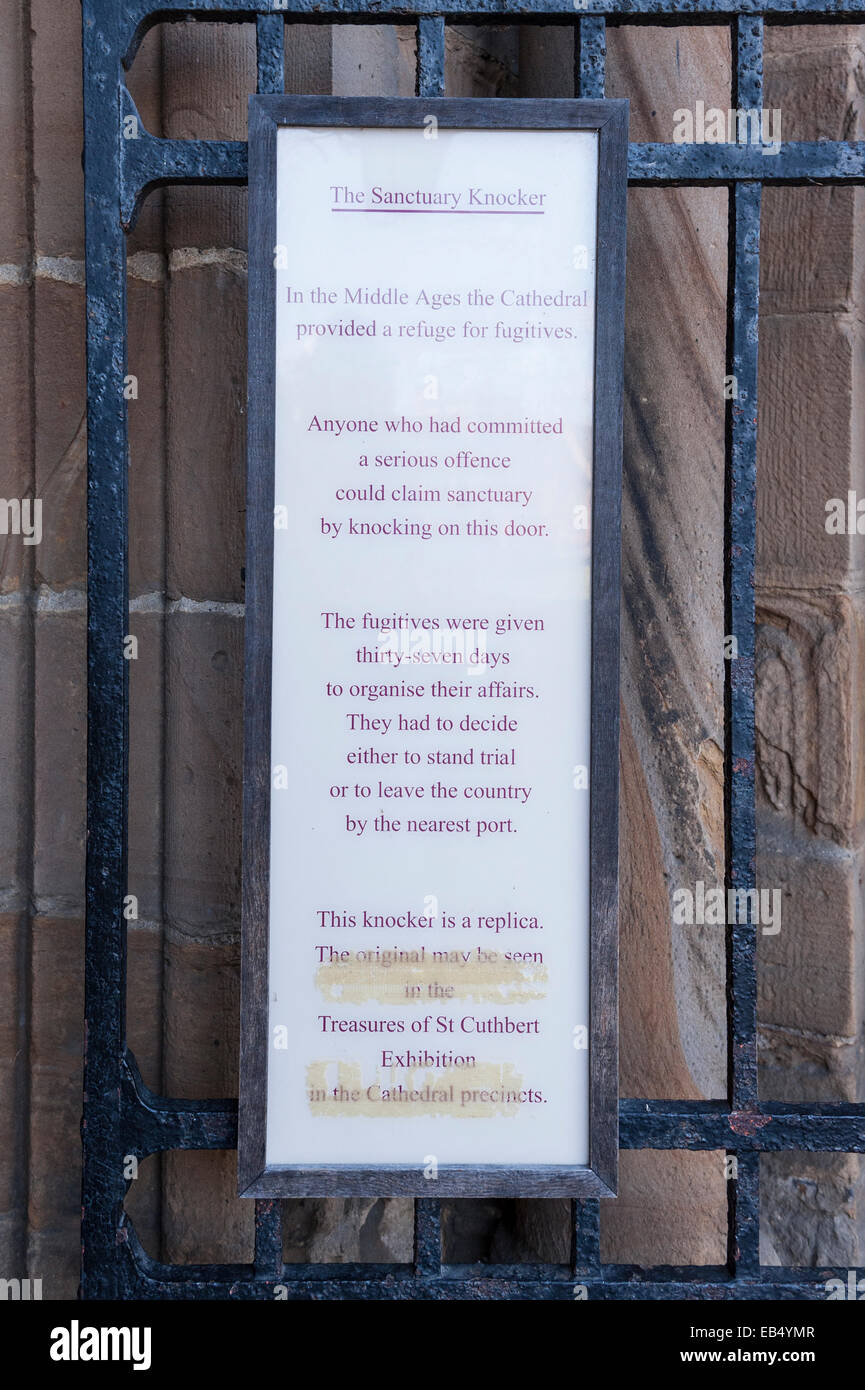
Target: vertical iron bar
{"points": [[427, 1238], [739, 682], [743, 1207], [591, 56], [268, 1238], [431, 56], [744, 1216], [587, 1240], [590, 75], [103, 1186], [739, 675], [270, 51], [270, 55], [748, 70]]}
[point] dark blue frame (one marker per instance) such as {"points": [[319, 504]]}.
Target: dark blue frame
{"points": [[120, 1116]]}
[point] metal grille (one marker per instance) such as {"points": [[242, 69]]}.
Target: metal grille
{"points": [[120, 1116]]}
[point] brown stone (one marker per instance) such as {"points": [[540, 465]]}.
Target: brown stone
{"points": [[812, 1209], [809, 969], [546, 59], [201, 1002], [652, 1221], [806, 456], [652, 1062], [16, 559], [144, 1038], [814, 75], [13, 1090], [811, 288], [60, 755], [206, 430], [208, 74], [672, 620], [809, 716], [671, 1206], [481, 61], [308, 58], [797, 1065], [662, 70], [346, 1230], [143, 1204], [382, 64], [512, 1231], [61, 437], [144, 971], [58, 185], [14, 173], [809, 648], [816, 277], [204, 1221], [16, 716], [146, 414], [204, 674], [146, 770], [202, 1217], [56, 1051]]}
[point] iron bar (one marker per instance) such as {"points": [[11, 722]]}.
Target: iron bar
{"points": [[431, 57], [591, 57]]}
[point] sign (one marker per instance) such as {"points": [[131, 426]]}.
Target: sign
{"points": [[431, 732]]}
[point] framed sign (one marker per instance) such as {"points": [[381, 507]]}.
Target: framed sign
{"points": [[436, 299]]}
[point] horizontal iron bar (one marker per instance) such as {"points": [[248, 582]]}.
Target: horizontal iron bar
{"points": [[372, 1289], [794, 161], [140, 15], [767, 1128], [153, 1124], [151, 162], [148, 162], [143, 1277], [455, 1283]]}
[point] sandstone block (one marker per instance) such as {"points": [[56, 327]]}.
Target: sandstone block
{"points": [[55, 1104], [204, 673], [60, 756], [671, 1209], [206, 429]]}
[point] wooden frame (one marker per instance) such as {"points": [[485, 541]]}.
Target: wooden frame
{"points": [[598, 1178]]}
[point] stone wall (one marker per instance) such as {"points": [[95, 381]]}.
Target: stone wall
{"points": [[809, 712], [187, 288]]}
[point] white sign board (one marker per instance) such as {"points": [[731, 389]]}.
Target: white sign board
{"points": [[428, 978]]}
